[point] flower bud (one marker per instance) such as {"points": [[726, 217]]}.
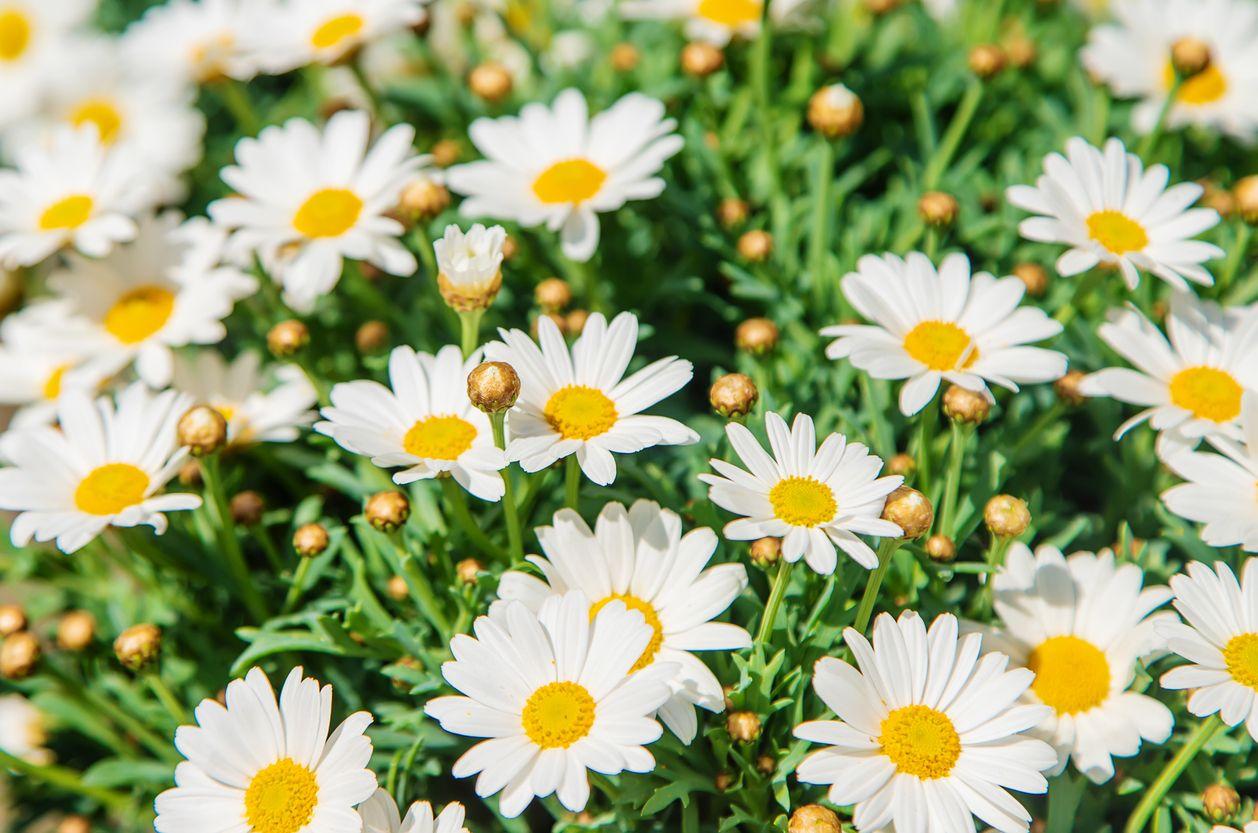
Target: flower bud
{"points": [[202, 429], [1246, 193], [287, 338], [910, 510], [553, 295], [1190, 56], [1068, 390], [1006, 516], [74, 824], [701, 59], [1220, 802], [733, 395], [469, 266], [574, 322], [625, 57], [371, 337], [190, 473], [247, 507], [310, 540], [722, 781], [19, 654], [468, 570], [756, 336], [1034, 277], [732, 211], [755, 246], [967, 406], [937, 208], [901, 464], [493, 387], [765, 552], [12, 619], [743, 726], [76, 630], [941, 548], [1214, 196], [1020, 50], [835, 111], [813, 818], [986, 60], [445, 152], [490, 81], [387, 511], [138, 646], [397, 589], [766, 764], [420, 201]]}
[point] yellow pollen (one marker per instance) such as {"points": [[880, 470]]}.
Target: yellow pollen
{"points": [[803, 501], [1071, 674], [66, 213], [1241, 656], [1117, 232], [111, 488], [652, 618], [1206, 87], [328, 213], [281, 798], [52, 385], [100, 112], [1208, 393], [439, 437], [920, 741], [139, 313], [335, 30], [572, 180], [558, 715], [578, 412], [731, 13], [941, 345], [15, 34]]}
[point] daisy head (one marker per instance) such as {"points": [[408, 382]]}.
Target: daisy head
{"points": [[469, 266], [640, 558], [256, 411], [942, 325], [106, 466], [926, 730], [32, 41], [585, 167], [197, 41], [45, 351], [813, 498], [380, 815], [263, 766], [715, 21], [301, 32], [423, 421], [22, 730], [580, 402], [1109, 210], [555, 693], [308, 199]]}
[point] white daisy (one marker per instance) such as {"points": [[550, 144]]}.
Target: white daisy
{"points": [[301, 32], [257, 766], [1219, 639], [714, 21], [580, 402], [555, 694], [309, 199], [380, 815], [469, 266], [640, 558], [44, 352], [1133, 56], [812, 498], [32, 34], [1081, 624], [928, 733], [947, 325], [197, 41], [582, 167], [104, 467], [256, 412], [22, 730], [1110, 210], [425, 422], [1250, 827]]}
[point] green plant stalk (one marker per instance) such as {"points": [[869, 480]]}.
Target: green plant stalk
{"points": [[469, 330], [1043, 421], [298, 584], [819, 239], [886, 549], [160, 747], [1150, 141], [65, 779], [163, 693], [360, 75], [1244, 233], [959, 439], [1202, 735], [421, 589], [236, 99], [572, 482], [926, 419], [225, 531], [760, 60], [952, 137], [457, 503], [510, 510], [776, 594]]}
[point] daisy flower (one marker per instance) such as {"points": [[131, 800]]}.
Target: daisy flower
{"points": [[104, 467], [197, 41], [255, 411], [266, 767], [32, 35], [640, 558], [1250, 827], [947, 325], [1110, 210], [928, 734], [44, 352], [301, 32], [813, 498], [469, 266], [1132, 55], [1219, 638], [310, 199], [380, 815], [714, 21], [425, 422], [72, 192], [1081, 624], [584, 167], [555, 694], [580, 402], [22, 731]]}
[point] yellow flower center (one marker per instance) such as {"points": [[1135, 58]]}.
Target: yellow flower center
{"points": [[100, 112], [920, 741], [731, 13], [439, 437], [1206, 87], [803, 501], [558, 715], [281, 798], [1071, 674], [652, 619], [1208, 393], [1117, 232], [111, 488], [941, 345], [139, 314], [328, 213], [66, 213], [52, 385], [578, 412], [336, 30], [15, 34], [572, 180], [210, 55], [1241, 656]]}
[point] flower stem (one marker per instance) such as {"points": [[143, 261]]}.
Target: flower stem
{"points": [[1244, 233], [780, 582], [457, 502], [760, 60], [510, 510], [1150, 141], [228, 542], [163, 693], [572, 482], [865, 611], [298, 584], [360, 75], [819, 239], [926, 420], [956, 457], [65, 779], [469, 329], [236, 99], [952, 137], [1202, 735]]}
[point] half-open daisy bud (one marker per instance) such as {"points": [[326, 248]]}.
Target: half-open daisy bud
{"points": [[835, 111], [1246, 193], [469, 266], [968, 406], [938, 208], [910, 510], [310, 540]]}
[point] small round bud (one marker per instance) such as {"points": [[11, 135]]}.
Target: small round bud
{"points": [[574, 322], [1020, 50], [941, 548], [625, 57], [138, 646], [1220, 802], [397, 589], [1246, 193], [961, 405], [371, 337], [1067, 388], [1006, 516], [11, 291], [387, 511], [722, 781], [445, 152], [310, 540], [490, 81], [202, 429], [733, 395], [74, 824], [468, 570], [766, 764], [12, 619], [901, 464], [19, 654], [756, 336], [287, 338], [76, 630], [765, 552], [510, 248], [701, 59], [910, 510], [1216, 197], [190, 473], [553, 295], [247, 507], [732, 211], [1190, 56], [937, 208], [420, 201], [755, 246], [1034, 277], [835, 111], [813, 818], [493, 386], [743, 726], [986, 60]]}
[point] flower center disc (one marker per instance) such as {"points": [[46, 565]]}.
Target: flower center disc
{"points": [[1206, 87], [281, 798], [572, 180], [732, 13], [941, 345], [15, 34], [920, 741], [803, 501], [558, 715], [1071, 674], [102, 113], [111, 488], [1208, 393], [328, 213], [652, 618], [335, 30], [139, 313], [1117, 232], [67, 213], [1241, 657], [578, 412], [439, 437]]}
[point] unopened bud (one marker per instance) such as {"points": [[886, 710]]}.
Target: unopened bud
{"points": [[445, 152], [1220, 802], [387, 511], [967, 406], [574, 322], [490, 81], [1190, 56], [247, 507], [371, 337], [986, 60], [310, 540], [287, 338], [733, 395], [937, 208], [756, 336], [138, 646], [12, 619], [755, 245], [743, 726], [765, 552], [766, 764], [493, 387], [1006, 516], [398, 589], [910, 510], [901, 464], [835, 111], [19, 654], [1020, 50], [1034, 277], [421, 200], [732, 211], [190, 473], [76, 630], [202, 429], [468, 570], [941, 548], [1246, 193], [74, 824], [1068, 390], [722, 781], [553, 295], [701, 59], [813, 818], [624, 57]]}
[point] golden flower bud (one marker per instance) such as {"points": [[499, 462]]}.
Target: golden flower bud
{"points": [[901, 464], [722, 781], [19, 654], [445, 152], [732, 211], [1220, 802], [420, 201], [310, 540], [1190, 56], [510, 248], [190, 473], [733, 395], [138, 646], [397, 589], [743, 726], [1246, 193], [1034, 277], [941, 548], [74, 824], [490, 81], [756, 336], [1216, 197], [493, 387], [12, 619], [1006, 516], [553, 294], [387, 511], [76, 630], [986, 60], [287, 338], [574, 322], [755, 245], [468, 570], [1020, 50], [813, 818], [1067, 388], [766, 764], [701, 59], [625, 57], [765, 552], [371, 337], [11, 291], [910, 510], [247, 507], [202, 429], [961, 405], [937, 208], [835, 111]]}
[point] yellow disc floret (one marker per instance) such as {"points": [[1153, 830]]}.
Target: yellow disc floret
{"points": [[558, 715], [648, 613], [111, 488], [1071, 674], [439, 437], [334, 31], [281, 798], [920, 741], [1209, 393], [803, 501], [579, 412], [139, 313], [328, 213], [731, 13], [66, 213], [1117, 232], [570, 180], [1241, 657], [941, 345]]}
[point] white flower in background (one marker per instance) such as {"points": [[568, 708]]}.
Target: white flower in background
{"points": [[1191, 384], [579, 401], [555, 695], [1110, 210], [639, 557], [928, 734], [1250, 827], [1219, 638], [196, 41], [380, 815], [941, 10], [488, 38], [44, 351], [301, 32], [569, 49], [425, 422], [942, 326], [1081, 624], [714, 21], [469, 266], [256, 412], [265, 767], [32, 34], [813, 498], [584, 166], [73, 192], [22, 731], [309, 199], [1132, 56], [104, 467]]}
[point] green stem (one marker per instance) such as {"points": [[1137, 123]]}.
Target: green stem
{"points": [[163, 693], [298, 585], [780, 582], [819, 240], [1244, 233], [99, 704], [65, 779], [1206, 730], [421, 589], [952, 137], [760, 61], [1150, 141], [469, 330], [572, 483], [865, 611], [931, 248], [225, 531], [360, 75], [1043, 421], [926, 420], [956, 456], [457, 503], [510, 510], [236, 99]]}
